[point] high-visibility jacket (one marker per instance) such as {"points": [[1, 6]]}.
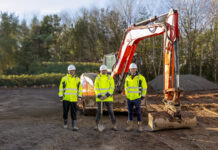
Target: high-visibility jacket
{"points": [[135, 87], [70, 88], [104, 84]]}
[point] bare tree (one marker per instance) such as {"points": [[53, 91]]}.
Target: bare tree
{"points": [[193, 20], [213, 16], [132, 10]]}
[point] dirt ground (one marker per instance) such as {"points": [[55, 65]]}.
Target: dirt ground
{"points": [[32, 119]]}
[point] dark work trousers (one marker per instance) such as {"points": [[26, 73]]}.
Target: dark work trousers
{"points": [[109, 106], [137, 104], [69, 105]]}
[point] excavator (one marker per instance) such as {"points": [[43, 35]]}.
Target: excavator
{"points": [[118, 66]]}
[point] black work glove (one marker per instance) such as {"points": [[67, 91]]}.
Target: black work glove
{"points": [[99, 96], [142, 97], [61, 99], [108, 94], [79, 98]]}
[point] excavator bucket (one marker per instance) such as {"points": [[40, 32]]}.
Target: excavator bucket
{"points": [[162, 121]]}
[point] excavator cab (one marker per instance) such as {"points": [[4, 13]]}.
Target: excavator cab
{"points": [[109, 60]]}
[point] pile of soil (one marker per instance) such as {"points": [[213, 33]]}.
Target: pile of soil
{"points": [[187, 82]]}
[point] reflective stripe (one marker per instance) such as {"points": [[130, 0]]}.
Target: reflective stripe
{"points": [[144, 89], [111, 88], [70, 89], [61, 89], [110, 93], [143, 95], [60, 95], [133, 87], [101, 89], [101, 93], [70, 93], [134, 91], [80, 91]]}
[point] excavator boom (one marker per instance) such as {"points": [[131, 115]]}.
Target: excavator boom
{"points": [[173, 117]]}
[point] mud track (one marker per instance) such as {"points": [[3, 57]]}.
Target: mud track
{"points": [[32, 119]]}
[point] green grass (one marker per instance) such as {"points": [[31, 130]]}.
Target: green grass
{"points": [[30, 80]]}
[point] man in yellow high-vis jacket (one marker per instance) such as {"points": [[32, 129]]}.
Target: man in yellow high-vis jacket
{"points": [[135, 89], [70, 91], [104, 88]]}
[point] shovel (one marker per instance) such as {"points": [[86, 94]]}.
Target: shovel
{"points": [[100, 125]]}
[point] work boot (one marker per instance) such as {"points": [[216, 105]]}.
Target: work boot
{"points": [[65, 124], [74, 127], [140, 126], [129, 125], [114, 127], [96, 127]]}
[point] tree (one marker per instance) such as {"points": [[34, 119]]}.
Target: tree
{"points": [[193, 21], [8, 40]]}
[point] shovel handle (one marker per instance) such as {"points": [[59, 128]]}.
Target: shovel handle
{"points": [[101, 109]]}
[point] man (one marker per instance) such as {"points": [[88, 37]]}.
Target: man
{"points": [[70, 91], [135, 89], [104, 88]]}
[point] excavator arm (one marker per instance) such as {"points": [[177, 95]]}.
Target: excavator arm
{"points": [[140, 31], [133, 36], [172, 117]]}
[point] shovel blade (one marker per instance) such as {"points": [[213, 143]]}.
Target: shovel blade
{"points": [[101, 127]]}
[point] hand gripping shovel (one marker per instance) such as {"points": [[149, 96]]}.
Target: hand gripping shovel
{"points": [[100, 125]]}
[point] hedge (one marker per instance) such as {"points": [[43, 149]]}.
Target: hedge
{"points": [[54, 67], [30, 80]]}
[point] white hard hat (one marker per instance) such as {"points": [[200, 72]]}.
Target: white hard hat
{"points": [[132, 65], [103, 67], [71, 67]]}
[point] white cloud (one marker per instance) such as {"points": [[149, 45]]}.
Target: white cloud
{"points": [[26, 9], [21, 7]]}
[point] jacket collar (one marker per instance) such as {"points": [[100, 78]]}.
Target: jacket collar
{"points": [[69, 75], [132, 76], [103, 75]]}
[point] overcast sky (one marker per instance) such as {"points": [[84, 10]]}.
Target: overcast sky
{"points": [[29, 8], [26, 9], [48, 6]]}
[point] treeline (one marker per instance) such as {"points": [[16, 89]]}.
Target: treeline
{"points": [[54, 67], [90, 34]]}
